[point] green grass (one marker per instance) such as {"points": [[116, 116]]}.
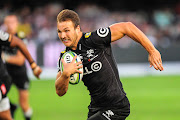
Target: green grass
{"points": [[151, 98]]}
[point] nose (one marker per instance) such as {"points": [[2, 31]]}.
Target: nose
{"points": [[63, 35]]}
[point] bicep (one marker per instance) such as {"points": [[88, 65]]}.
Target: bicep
{"points": [[117, 31]]}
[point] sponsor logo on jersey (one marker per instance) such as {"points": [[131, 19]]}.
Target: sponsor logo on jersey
{"points": [[4, 36], [90, 53], [87, 35], [107, 114], [95, 67], [92, 58], [103, 32]]}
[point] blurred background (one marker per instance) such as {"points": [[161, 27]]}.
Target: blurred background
{"points": [[158, 19], [154, 95]]}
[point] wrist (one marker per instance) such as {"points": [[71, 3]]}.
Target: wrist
{"points": [[66, 74], [33, 65], [151, 51]]}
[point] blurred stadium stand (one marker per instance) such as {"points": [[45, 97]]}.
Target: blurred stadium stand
{"points": [[158, 19]]}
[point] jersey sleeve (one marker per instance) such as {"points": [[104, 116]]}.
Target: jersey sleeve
{"points": [[59, 60], [100, 38], [5, 38]]}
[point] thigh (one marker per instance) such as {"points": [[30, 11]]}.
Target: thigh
{"points": [[5, 115], [23, 95]]}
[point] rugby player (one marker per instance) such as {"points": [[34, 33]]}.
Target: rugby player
{"points": [[7, 39], [15, 64], [108, 99]]}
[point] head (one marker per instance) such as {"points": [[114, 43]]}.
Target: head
{"points": [[11, 22], [68, 27]]}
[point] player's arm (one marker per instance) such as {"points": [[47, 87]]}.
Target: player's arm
{"points": [[16, 42], [62, 83], [62, 79], [119, 30], [17, 59]]}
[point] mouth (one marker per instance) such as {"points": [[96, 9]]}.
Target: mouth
{"points": [[65, 40]]}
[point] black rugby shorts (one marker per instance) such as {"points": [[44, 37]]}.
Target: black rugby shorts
{"points": [[111, 113], [19, 76]]}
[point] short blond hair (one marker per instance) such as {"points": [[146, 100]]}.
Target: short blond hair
{"points": [[71, 15]]}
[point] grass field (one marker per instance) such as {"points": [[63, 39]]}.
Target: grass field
{"points": [[151, 98]]}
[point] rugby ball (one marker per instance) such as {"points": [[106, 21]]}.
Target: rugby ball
{"points": [[68, 57]]}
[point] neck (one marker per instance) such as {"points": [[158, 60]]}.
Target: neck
{"points": [[77, 40], [11, 32]]}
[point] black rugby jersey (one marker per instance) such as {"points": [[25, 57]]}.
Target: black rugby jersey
{"points": [[13, 51], [4, 41], [4, 78], [100, 70], [4, 38]]}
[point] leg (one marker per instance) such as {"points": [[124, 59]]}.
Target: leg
{"points": [[13, 108], [24, 99], [24, 103], [5, 109], [20, 79], [5, 115]]}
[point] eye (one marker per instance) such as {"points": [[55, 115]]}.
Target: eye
{"points": [[66, 30], [58, 31]]}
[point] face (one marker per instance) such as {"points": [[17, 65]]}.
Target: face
{"points": [[68, 34], [11, 23]]}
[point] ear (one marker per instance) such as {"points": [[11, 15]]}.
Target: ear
{"points": [[78, 28]]}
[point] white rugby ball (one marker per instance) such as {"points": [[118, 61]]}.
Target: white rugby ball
{"points": [[68, 57]]}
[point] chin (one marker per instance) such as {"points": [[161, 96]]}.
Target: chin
{"points": [[67, 45]]}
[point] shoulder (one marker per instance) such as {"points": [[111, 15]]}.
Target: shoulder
{"points": [[5, 38], [101, 32], [62, 52], [98, 38]]}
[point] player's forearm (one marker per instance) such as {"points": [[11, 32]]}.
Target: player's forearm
{"points": [[16, 42], [61, 84], [119, 30], [138, 36], [15, 60]]}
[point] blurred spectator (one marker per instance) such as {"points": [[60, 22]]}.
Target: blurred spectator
{"points": [[161, 25], [163, 18]]}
